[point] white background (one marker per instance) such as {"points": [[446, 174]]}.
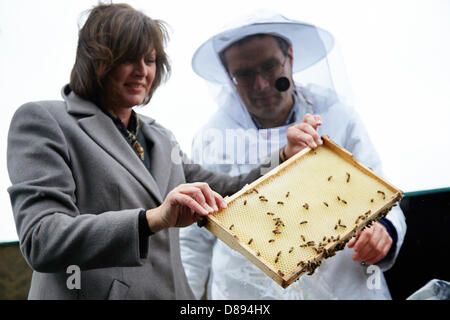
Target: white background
{"points": [[396, 54]]}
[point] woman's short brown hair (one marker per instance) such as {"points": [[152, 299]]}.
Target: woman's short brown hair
{"points": [[111, 35]]}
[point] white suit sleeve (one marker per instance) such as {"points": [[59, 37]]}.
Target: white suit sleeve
{"points": [[359, 144]]}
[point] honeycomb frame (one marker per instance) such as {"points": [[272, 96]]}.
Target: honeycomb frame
{"points": [[287, 232]]}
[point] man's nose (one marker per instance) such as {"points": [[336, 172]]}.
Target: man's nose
{"points": [[260, 82]]}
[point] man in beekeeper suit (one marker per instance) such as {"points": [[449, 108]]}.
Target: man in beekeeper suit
{"points": [[254, 62]]}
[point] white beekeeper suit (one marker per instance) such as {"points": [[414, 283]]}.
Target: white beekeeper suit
{"points": [[211, 264]]}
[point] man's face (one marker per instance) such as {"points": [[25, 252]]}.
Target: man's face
{"points": [[258, 63]]}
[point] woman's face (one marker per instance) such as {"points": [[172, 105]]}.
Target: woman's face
{"points": [[129, 83]]}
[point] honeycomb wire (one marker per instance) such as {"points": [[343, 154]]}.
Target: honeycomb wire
{"points": [[315, 190]]}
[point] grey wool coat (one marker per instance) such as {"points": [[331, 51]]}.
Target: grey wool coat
{"points": [[77, 190]]}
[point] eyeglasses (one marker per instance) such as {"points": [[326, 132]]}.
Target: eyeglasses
{"points": [[269, 71]]}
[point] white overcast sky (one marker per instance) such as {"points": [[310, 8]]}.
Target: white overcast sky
{"points": [[396, 54]]}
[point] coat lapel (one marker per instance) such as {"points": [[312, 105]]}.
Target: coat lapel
{"points": [[160, 157], [103, 131]]}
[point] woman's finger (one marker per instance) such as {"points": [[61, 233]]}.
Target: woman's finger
{"points": [[219, 200], [191, 203], [208, 193], [197, 194]]}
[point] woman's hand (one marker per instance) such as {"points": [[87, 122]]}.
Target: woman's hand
{"points": [[184, 205], [302, 135]]}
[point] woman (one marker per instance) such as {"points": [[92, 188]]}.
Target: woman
{"points": [[95, 185]]}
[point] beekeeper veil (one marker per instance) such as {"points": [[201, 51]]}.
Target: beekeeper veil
{"points": [[317, 58]]}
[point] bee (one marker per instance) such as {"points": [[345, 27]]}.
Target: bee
{"points": [[262, 198], [231, 227], [245, 202], [382, 193], [311, 270], [303, 222], [310, 243], [368, 212], [339, 199], [348, 177], [255, 190], [335, 227], [258, 253], [287, 194], [341, 225], [250, 241], [345, 202], [338, 237], [371, 200], [276, 231], [280, 202], [279, 253], [301, 263], [276, 259], [291, 249], [325, 203], [303, 245], [280, 273], [329, 178], [324, 238], [270, 213], [303, 237], [271, 240], [306, 206], [279, 223]]}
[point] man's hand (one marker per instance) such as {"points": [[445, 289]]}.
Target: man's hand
{"points": [[302, 135], [372, 244], [184, 205]]}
